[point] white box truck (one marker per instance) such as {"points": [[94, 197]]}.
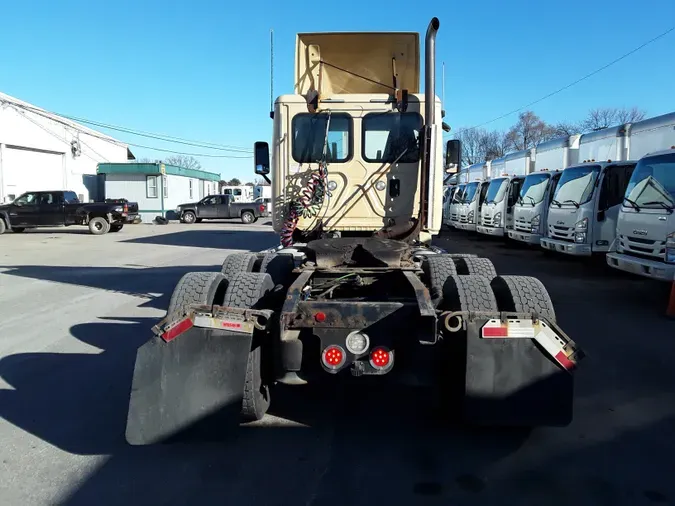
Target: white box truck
{"points": [[531, 209], [468, 210], [585, 206], [491, 213], [645, 233], [501, 195]]}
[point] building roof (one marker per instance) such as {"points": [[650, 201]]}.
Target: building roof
{"points": [[155, 169]]}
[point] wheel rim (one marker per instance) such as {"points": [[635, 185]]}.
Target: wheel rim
{"points": [[247, 218], [189, 217], [98, 225]]}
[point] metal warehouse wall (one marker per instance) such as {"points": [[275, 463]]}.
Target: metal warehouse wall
{"points": [[35, 154]]}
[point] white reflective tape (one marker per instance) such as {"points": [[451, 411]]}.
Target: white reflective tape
{"points": [[221, 324]]}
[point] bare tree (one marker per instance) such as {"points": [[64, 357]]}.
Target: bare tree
{"points": [[260, 182], [528, 132], [479, 145], [496, 145], [605, 117], [565, 129], [187, 162]]}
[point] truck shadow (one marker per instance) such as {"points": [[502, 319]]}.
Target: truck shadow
{"points": [[152, 283], [222, 239]]}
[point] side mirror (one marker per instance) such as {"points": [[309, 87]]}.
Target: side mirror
{"points": [[261, 156], [453, 154]]}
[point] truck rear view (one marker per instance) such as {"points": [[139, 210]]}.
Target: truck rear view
{"points": [[356, 288]]}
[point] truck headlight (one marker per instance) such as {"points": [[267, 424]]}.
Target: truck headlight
{"points": [[497, 219], [535, 224], [581, 226], [471, 216], [670, 248], [580, 237]]}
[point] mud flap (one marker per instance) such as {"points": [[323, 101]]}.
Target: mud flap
{"points": [[194, 383], [513, 382]]}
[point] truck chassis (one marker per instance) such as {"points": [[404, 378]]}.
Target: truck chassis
{"points": [[357, 307]]}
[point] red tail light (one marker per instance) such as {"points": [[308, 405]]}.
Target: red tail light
{"points": [[380, 358], [333, 357], [262, 207], [126, 208]]}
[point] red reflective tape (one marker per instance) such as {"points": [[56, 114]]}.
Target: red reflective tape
{"points": [[230, 325], [495, 332], [177, 330], [564, 361]]}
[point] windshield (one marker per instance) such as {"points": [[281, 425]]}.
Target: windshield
{"points": [[469, 193], [457, 197], [534, 188], [653, 182], [496, 190], [576, 185]]}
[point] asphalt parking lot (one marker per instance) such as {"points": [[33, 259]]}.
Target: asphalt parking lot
{"points": [[75, 307]]}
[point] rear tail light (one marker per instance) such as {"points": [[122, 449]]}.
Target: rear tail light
{"points": [[262, 207], [333, 357], [380, 358]]}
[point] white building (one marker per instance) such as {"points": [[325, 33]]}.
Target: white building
{"points": [[158, 188], [43, 151]]}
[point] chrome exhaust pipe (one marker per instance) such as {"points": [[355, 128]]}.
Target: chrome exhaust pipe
{"points": [[430, 72]]}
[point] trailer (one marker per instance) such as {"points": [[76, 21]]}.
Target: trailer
{"points": [[356, 287]]}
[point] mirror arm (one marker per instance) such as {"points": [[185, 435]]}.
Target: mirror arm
{"points": [[266, 178]]}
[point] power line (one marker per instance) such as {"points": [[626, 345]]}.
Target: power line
{"points": [[626, 55], [50, 115], [161, 137]]}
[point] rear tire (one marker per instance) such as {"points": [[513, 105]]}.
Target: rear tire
{"points": [[468, 293], [437, 269], [196, 288], [99, 225], [235, 263], [279, 267], [245, 290], [476, 266], [523, 294], [247, 217]]}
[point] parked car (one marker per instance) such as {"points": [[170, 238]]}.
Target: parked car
{"points": [[220, 207], [62, 209]]}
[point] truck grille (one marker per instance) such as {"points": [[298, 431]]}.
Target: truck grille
{"points": [[487, 221], [463, 219], [561, 233], [645, 248], [523, 226], [454, 216]]}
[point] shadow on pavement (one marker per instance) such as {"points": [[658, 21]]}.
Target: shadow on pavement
{"points": [[154, 283], [224, 239]]}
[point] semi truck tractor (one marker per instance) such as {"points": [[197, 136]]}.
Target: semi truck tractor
{"points": [[472, 198], [355, 288], [645, 232], [531, 209]]}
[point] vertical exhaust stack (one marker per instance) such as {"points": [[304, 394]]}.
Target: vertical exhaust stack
{"points": [[429, 137]]}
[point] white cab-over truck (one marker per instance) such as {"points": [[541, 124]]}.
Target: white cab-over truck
{"points": [[645, 233], [508, 174], [356, 287], [531, 209], [587, 207], [474, 191]]}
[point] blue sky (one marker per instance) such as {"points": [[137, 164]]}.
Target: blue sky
{"points": [[200, 69]]}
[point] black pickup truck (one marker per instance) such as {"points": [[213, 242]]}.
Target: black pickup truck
{"points": [[63, 208], [220, 207]]}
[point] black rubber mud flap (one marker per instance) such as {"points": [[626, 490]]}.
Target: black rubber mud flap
{"points": [[190, 385], [512, 382]]}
